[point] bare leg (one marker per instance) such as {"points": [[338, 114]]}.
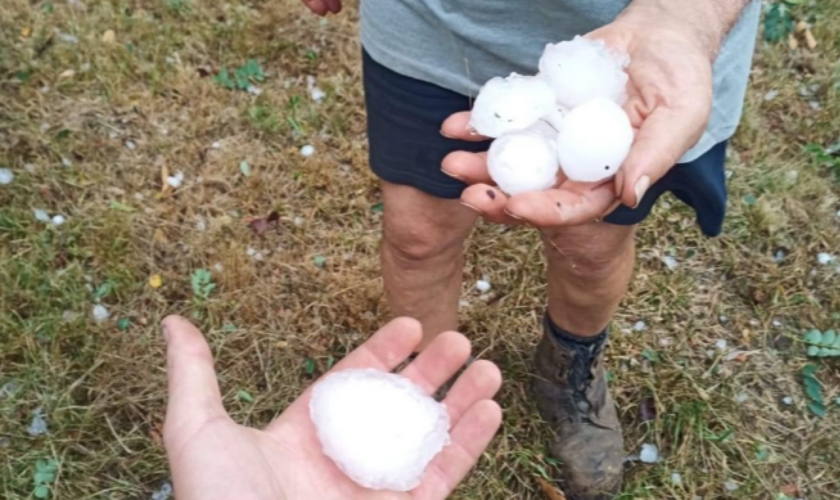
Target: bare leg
{"points": [[423, 256], [589, 269]]}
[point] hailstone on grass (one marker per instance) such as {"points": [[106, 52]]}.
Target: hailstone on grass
{"points": [[583, 69], [379, 428], [524, 160], [595, 141], [512, 103]]}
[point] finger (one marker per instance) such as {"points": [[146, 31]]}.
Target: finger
{"points": [[481, 380], [447, 353], [467, 167], [457, 126], [317, 6], [662, 139], [568, 205], [386, 349], [469, 440], [334, 6], [194, 393], [489, 202]]}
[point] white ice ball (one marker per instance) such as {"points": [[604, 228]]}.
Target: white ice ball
{"points": [[512, 103], [379, 428], [595, 141], [524, 160], [583, 69]]}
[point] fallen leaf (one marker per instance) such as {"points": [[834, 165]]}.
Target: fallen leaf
{"points": [[801, 26], [550, 491], [67, 73], [120, 207], [25, 31], [792, 42], [155, 281], [164, 178], [109, 36], [790, 490], [159, 237], [810, 40], [281, 344], [156, 434], [262, 224], [647, 409]]}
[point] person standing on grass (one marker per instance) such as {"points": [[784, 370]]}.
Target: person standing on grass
{"points": [[423, 59]]}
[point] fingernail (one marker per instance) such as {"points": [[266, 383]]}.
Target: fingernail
{"points": [[445, 134], [472, 208], [513, 215], [642, 186], [611, 209], [450, 174], [165, 331]]}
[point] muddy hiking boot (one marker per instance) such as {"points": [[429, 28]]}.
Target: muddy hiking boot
{"points": [[570, 389]]}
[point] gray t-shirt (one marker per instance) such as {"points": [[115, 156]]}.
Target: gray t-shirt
{"points": [[460, 44]]}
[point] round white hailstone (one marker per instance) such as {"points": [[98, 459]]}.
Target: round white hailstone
{"points": [[379, 428], [525, 160], [649, 454], [482, 286], [583, 69], [595, 141], [307, 151], [41, 215], [512, 103], [58, 220], [6, 176], [100, 313]]}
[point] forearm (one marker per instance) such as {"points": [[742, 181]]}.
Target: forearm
{"points": [[711, 20]]}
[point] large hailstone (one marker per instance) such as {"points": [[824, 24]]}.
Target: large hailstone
{"points": [[379, 428], [583, 69], [524, 160], [595, 141], [512, 103]]}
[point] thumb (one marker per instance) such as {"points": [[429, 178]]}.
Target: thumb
{"points": [[194, 395], [664, 136]]}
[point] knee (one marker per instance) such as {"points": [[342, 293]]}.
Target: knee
{"points": [[592, 257], [593, 266], [420, 244]]}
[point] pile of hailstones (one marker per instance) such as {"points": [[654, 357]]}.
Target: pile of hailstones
{"points": [[568, 116]]}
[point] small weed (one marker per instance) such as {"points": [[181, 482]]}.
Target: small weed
{"points": [[43, 477], [242, 77], [778, 22], [813, 389], [202, 286], [822, 344], [827, 157]]}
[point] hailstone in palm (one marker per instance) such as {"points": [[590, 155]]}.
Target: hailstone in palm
{"points": [[583, 69], [595, 141], [379, 428], [512, 103], [524, 160]]}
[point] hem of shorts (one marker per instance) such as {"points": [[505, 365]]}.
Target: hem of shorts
{"points": [[420, 183]]}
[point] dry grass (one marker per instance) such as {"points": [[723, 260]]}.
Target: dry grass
{"points": [[102, 388]]}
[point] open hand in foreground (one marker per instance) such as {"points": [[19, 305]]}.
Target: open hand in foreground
{"points": [[213, 457], [669, 102]]}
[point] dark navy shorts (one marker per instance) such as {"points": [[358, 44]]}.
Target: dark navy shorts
{"points": [[406, 147]]}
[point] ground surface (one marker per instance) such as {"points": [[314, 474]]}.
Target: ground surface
{"points": [[92, 122]]}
